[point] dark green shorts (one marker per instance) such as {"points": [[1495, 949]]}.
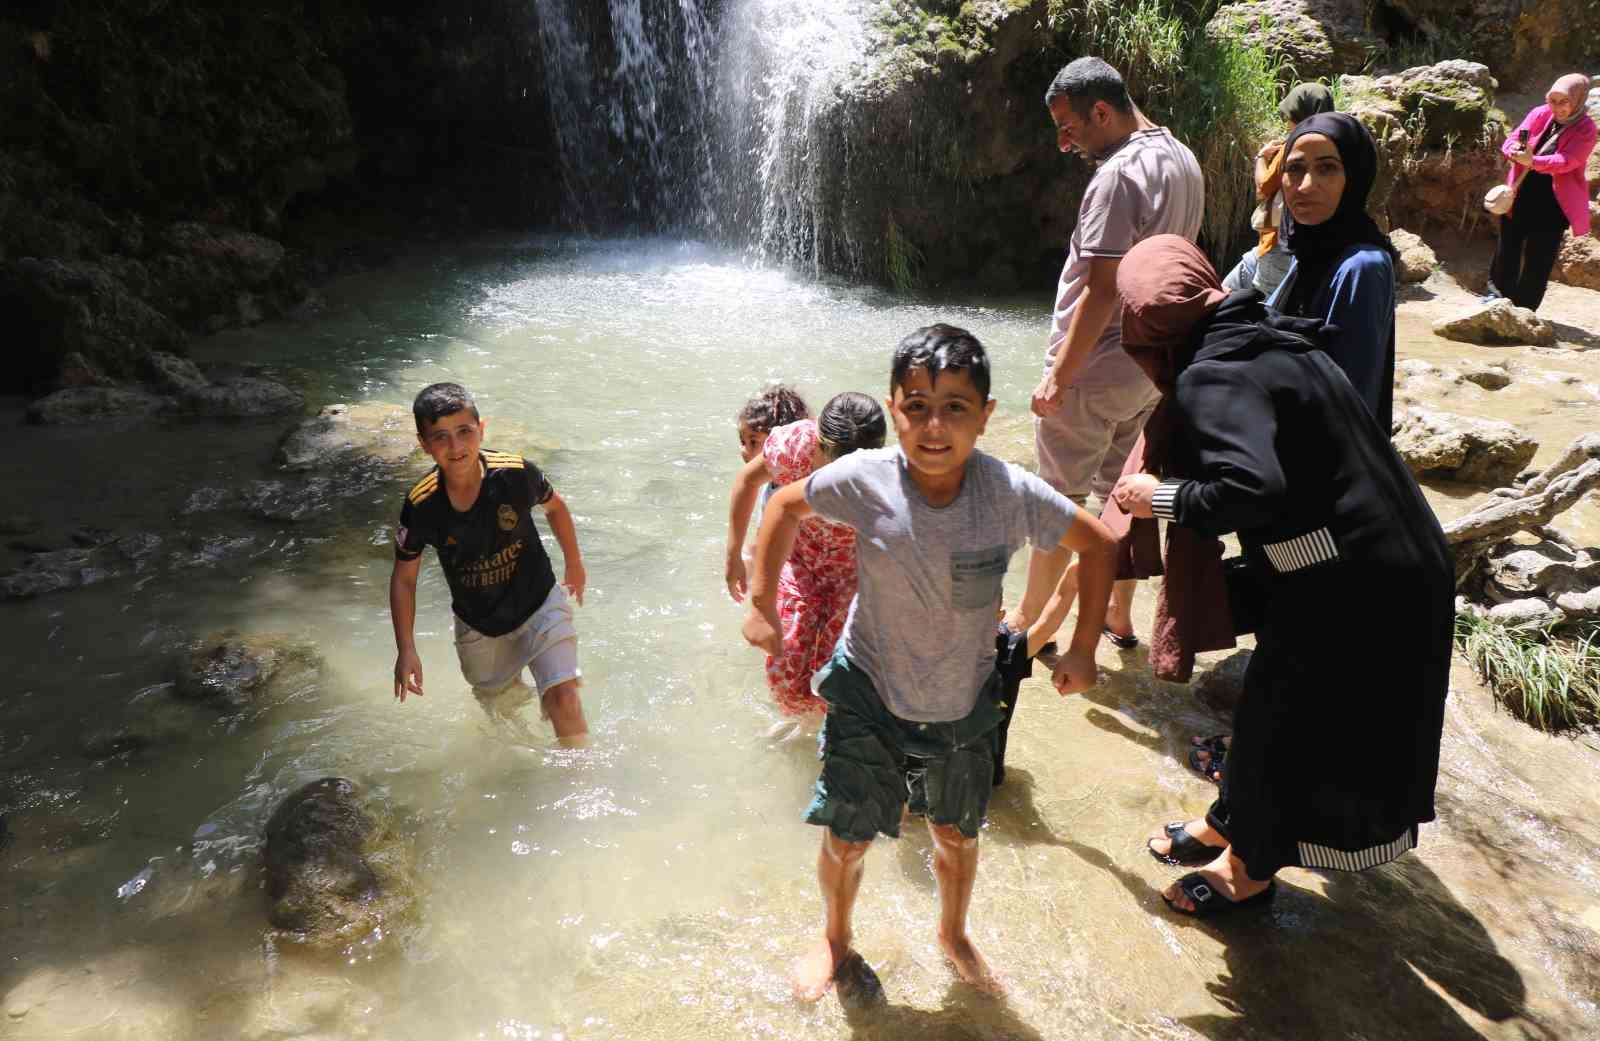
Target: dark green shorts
{"points": [[873, 761]]}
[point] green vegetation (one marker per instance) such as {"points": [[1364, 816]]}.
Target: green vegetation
{"points": [[1550, 682], [1219, 97], [902, 260]]}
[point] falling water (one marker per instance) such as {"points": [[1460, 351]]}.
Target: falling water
{"points": [[687, 115], [783, 65], [630, 94]]}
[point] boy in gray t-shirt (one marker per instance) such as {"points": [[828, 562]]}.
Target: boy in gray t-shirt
{"points": [[912, 689]]}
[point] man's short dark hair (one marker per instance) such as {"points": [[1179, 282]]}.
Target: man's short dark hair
{"points": [[941, 348], [438, 400], [1084, 81]]}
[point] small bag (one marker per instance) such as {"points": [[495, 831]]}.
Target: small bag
{"points": [[1247, 594], [1267, 215], [1499, 199]]}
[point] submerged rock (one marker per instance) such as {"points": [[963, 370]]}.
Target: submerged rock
{"points": [[237, 671], [1417, 259], [341, 435], [337, 869], [1497, 323], [1462, 448], [151, 719], [59, 570], [89, 404]]}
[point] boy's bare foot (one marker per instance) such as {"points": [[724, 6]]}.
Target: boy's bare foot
{"points": [[812, 973], [970, 966]]}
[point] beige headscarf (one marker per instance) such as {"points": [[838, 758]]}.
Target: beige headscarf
{"points": [[1574, 85]]}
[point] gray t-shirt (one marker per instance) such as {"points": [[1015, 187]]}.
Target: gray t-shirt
{"points": [[928, 588], [1151, 185]]}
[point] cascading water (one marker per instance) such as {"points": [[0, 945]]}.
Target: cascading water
{"points": [[695, 116], [630, 92], [783, 63]]}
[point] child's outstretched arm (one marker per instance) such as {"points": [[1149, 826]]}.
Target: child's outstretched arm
{"points": [[746, 490], [1097, 567], [566, 533], [403, 612], [785, 511]]}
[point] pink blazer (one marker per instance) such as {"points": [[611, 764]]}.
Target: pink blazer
{"points": [[1565, 165]]}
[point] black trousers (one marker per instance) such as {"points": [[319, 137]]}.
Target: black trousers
{"points": [[1524, 257]]}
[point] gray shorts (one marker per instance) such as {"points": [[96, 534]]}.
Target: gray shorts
{"points": [[1083, 445], [546, 645]]}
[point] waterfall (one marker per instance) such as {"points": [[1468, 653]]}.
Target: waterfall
{"points": [[782, 65], [703, 116], [629, 87]]}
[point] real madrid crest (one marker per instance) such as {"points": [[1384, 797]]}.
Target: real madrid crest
{"points": [[508, 517]]}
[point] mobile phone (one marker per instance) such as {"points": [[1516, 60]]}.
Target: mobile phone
{"points": [[1522, 137]]}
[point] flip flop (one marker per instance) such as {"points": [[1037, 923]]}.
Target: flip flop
{"points": [[1208, 901], [1186, 850], [1122, 643]]}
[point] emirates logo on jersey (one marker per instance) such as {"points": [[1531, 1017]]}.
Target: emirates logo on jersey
{"points": [[507, 517]]}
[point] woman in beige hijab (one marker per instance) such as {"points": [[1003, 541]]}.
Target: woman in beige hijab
{"points": [[1548, 153]]}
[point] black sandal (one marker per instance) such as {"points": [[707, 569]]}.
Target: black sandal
{"points": [[1208, 901], [1215, 747], [1119, 641], [1186, 850]]}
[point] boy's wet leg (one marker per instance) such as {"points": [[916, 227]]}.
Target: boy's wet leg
{"points": [[840, 865], [1045, 568], [955, 863], [562, 706]]}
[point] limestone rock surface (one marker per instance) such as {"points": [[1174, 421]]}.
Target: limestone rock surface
{"points": [[1497, 323], [1417, 259], [1578, 263], [1316, 38], [1462, 448]]}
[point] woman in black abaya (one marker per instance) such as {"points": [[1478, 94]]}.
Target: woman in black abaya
{"points": [[1259, 433]]}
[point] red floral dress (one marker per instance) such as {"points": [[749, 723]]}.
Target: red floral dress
{"points": [[816, 584]]}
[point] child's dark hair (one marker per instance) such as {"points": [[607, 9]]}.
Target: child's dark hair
{"points": [[941, 348], [777, 406], [438, 400], [850, 421]]}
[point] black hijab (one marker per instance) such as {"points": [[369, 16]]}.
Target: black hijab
{"points": [[1318, 247]]}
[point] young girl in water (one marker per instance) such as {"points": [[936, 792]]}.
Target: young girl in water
{"points": [[776, 406], [819, 578]]}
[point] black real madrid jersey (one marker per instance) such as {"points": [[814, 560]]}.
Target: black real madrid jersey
{"points": [[498, 571]]}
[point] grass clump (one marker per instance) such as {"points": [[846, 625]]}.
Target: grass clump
{"points": [[1549, 682], [902, 262]]}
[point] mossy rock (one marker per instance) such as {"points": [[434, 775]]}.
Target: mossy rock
{"points": [[1314, 39], [338, 868], [236, 672]]}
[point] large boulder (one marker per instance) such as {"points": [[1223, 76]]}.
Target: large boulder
{"points": [[91, 404], [1438, 134], [1417, 259], [337, 868], [1314, 39], [1578, 263], [1449, 447], [1222, 685], [55, 308], [236, 672], [1497, 323]]}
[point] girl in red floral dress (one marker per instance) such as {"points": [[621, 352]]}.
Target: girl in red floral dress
{"points": [[819, 579]]}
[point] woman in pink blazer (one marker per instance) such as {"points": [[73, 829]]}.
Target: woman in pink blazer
{"points": [[1552, 145]]}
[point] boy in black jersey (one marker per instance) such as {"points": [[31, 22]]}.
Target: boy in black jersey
{"points": [[475, 509]]}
